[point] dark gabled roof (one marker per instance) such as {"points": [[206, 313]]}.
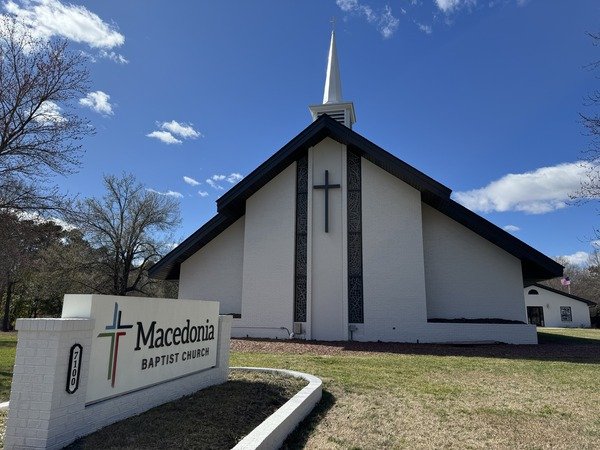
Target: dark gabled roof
{"points": [[232, 205], [556, 291], [234, 200]]}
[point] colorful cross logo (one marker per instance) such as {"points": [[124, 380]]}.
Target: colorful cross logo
{"points": [[114, 342]]}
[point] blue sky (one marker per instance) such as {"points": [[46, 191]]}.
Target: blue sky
{"points": [[483, 96]]}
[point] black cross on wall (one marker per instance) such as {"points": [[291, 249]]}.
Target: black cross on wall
{"points": [[326, 187]]}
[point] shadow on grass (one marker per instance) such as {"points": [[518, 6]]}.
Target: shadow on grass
{"points": [[553, 338], [300, 435], [216, 418]]}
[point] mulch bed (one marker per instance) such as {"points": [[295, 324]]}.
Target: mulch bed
{"points": [[214, 418], [576, 351]]}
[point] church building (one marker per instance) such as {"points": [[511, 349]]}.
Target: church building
{"points": [[333, 238]]}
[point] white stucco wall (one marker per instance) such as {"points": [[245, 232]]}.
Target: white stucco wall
{"points": [[466, 275], [215, 271], [268, 269], [327, 262], [393, 267], [551, 303]]}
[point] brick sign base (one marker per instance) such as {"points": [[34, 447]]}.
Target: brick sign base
{"points": [[43, 414]]}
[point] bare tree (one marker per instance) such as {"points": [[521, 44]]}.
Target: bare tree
{"points": [[590, 186], [130, 226], [39, 133]]}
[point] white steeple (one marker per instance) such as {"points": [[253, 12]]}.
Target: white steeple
{"points": [[333, 85], [333, 105]]}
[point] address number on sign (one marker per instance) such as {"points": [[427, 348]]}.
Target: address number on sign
{"points": [[74, 368]]}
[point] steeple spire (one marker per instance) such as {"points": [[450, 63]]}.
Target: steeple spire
{"points": [[333, 85], [332, 104]]}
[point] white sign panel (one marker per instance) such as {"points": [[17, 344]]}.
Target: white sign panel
{"points": [[139, 342]]}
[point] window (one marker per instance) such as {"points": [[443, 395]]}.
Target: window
{"points": [[565, 314], [533, 292]]}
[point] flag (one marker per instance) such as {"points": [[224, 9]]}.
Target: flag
{"points": [[566, 281]]}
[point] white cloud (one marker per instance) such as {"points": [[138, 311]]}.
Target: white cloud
{"points": [[182, 130], [61, 223], [168, 193], [213, 184], [191, 181], [52, 18], [203, 193], [577, 258], [97, 101], [114, 57], [49, 113], [388, 24], [510, 228], [427, 29], [164, 136], [38, 219], [537, 192], [234, 177], [231, 178], [168, 131], [449, 6], [385, 21]]}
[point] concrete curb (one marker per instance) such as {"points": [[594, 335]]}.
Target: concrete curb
{"points": [[271, 433]]}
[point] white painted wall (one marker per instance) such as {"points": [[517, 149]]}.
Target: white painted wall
{"points": [[479, 332], [551, 303], [268, 268], [468, 276], [328, 307], [393, 266], [215, 271]]}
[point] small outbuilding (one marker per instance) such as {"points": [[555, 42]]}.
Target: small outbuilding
{"points": [[548, 307]]}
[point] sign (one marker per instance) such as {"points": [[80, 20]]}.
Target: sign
{"points": [[138, 342], [74, 368]]}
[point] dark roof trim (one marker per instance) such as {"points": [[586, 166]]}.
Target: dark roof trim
{"points": [[233, 201], [566, 294], [535, 265]]}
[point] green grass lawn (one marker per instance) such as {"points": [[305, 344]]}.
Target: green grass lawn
{"points": [[8, 347]]}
